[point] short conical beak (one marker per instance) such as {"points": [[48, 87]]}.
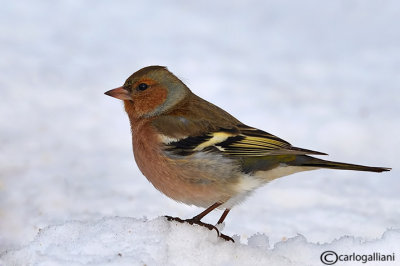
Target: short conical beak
{"points": [[119, 93]]}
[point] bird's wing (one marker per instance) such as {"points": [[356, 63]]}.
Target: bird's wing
{"points": [[241, 141]]}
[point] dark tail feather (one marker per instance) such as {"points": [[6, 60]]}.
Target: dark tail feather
{"points": [[309, 161]]}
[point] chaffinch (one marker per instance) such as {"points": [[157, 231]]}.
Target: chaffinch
{"points": [[196, 153]]}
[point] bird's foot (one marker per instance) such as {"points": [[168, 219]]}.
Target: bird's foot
{"points": [[198, 222]]}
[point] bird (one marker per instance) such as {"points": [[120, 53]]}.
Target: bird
{"points": [[197, 153]]}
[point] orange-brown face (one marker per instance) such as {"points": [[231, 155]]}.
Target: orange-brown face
{"points": [[141, 97], [150, 91], [146, 101]]}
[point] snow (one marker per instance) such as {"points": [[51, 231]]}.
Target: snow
{"points": [[322, 75], [131, 241]]}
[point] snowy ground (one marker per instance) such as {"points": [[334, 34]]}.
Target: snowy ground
{"points": [[129, 241], [322, 75]]}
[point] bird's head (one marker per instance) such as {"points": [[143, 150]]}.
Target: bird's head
{"points": [[150, 91]]}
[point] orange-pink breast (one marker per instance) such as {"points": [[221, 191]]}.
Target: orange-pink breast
{"points": [[189, 180]]}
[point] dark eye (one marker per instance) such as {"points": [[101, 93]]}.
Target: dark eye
{"points": [[142, 86]]}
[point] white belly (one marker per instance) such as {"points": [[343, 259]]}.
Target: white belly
{"points": [[248, 183]]}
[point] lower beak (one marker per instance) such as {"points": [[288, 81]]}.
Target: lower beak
{"points": [[119, 93]]}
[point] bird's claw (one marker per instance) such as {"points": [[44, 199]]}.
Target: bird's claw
{"points": [[198, 222]]}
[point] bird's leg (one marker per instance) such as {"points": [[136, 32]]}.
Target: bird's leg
{"points": [[223, 216], [197, 220], [220, 221], [200, 216]]}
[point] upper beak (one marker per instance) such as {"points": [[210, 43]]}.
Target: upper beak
{"points": [[119, 93]]}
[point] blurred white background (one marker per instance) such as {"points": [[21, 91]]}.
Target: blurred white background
{"points": [[323, 75]]}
